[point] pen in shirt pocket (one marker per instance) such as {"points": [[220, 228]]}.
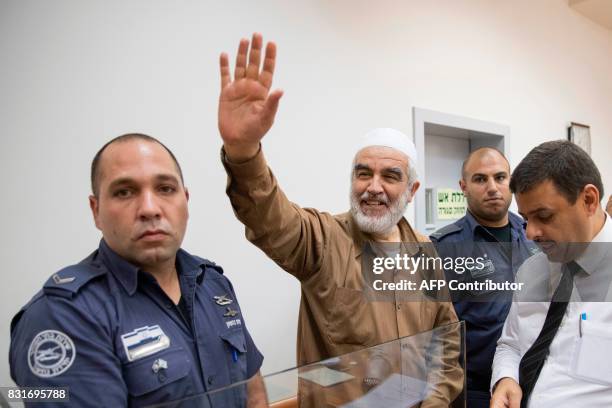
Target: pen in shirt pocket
{"points": [[583, 316]]}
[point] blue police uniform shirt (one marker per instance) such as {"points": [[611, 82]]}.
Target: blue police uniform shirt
{"points": [[107, 331], [484, 312]]}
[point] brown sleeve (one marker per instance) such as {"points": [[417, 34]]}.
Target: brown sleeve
{"points": [[446, 374], [295, 238]]}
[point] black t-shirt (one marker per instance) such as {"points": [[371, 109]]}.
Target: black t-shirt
{"points": [[183, 311], [501, 234]]}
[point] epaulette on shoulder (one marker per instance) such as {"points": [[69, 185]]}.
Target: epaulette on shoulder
{"points": [[68, 281], [444, 231], [209, 264]]}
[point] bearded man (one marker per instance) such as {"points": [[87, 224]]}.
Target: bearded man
{"points": [[324, 251]]}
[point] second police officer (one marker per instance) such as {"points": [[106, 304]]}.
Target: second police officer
{"points": [[490, 231]]}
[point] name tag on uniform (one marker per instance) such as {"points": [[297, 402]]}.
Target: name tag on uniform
{"points": [[487, 269], [144, 341]]}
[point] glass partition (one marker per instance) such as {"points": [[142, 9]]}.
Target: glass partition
{"points": [[426, 369]]}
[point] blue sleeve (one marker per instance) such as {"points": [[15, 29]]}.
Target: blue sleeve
{"points": [[57, 342], [254, 357]]}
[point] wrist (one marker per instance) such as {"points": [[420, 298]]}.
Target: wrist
{"points": [[502, 381], [240, 153]]}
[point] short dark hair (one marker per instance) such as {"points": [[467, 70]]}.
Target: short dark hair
{"points": [[473, 152], [95, 163], [565, 164]]}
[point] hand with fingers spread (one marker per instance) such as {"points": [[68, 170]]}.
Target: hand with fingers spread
{"points": [[246, 105]]}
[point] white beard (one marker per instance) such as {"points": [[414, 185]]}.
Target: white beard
{"points": [[380, 224]]}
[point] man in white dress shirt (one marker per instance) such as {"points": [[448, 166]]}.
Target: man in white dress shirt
{"points": [[556, 345]]}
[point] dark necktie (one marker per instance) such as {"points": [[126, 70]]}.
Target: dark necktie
{"points": [[533, 360]]}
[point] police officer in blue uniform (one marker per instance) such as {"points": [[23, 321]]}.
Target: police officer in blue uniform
{"points": [[497, 236], [139, 321]]}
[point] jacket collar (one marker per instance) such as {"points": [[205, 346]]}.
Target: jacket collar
{"points": [[127, 273], [515, 221]]}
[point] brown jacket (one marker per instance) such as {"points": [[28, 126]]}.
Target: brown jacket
{"points": [[324, 253]]}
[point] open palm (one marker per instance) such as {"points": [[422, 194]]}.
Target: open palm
{"points": [[246, 105]]}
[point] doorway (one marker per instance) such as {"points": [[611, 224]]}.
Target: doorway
{"points": [[443, 141]]}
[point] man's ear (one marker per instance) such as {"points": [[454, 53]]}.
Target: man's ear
{"points": [[463, 186], [95, 210], [590, 198], [187, 198], [415, 187]]}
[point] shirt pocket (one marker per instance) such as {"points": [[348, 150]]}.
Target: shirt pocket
{"points": [[235, 347], [350, 319], [591, 360], [159, 377]]}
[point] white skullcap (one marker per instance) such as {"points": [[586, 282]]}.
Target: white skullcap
{"points": [[388, 137]]}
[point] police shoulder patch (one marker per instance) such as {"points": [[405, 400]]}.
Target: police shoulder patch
{"points": [[51, 353]]}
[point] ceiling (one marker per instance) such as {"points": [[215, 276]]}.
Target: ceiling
{"points": [[599, 11]]}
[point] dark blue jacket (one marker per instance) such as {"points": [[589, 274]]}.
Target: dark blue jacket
{"points": [[484, 312], [107, 331]]}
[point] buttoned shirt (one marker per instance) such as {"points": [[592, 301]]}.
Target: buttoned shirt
{"points": [[106, 330], [325, 253], [578, 369]]}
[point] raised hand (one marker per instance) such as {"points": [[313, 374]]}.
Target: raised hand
{"points": [[246, 105]]}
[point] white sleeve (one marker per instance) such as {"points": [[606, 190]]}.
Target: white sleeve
{"points": [[508, 352]]}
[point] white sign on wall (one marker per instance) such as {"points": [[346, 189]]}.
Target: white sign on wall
{"points": [[451, 204]]}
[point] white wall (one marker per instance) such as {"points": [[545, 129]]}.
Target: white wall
{"points": [[444, 157], [76, 73]]}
